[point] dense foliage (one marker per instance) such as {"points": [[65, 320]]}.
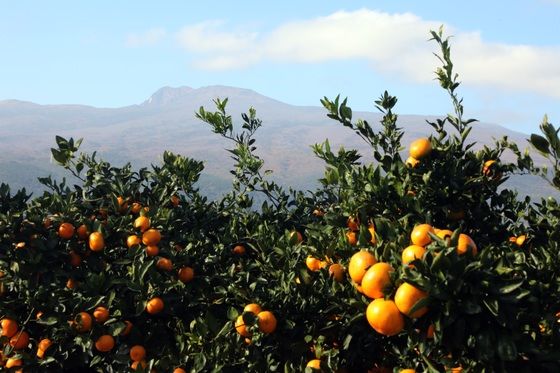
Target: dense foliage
{"points": [[136, 269]]}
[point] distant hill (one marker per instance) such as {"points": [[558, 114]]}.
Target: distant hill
{"points": [[166, 121]]}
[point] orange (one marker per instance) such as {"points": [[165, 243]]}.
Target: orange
{"points": [[430, 331], [266, 321], [384, 317], [318, 213], [152, 250], [299, 238], [336, 271], [71, 283], [105, 343], [352, 238], [376, 279], [411, 162], [164, 264], [444, 233], [12, 363], [75, 259], [127, 329], [241, 328], [359, 263], [420, 148], [239, 250], [101, 314], [154, 305], [313, 264], [412, 253], [137, 353], [420, 236], [464, 243], [82, 232], [136, 365], [151, 237], [519, 241], [66, 231], [409, 370], [486, 168], [136, 207], [142, 223], [82, 322], [314, 364], [19, 340], [406, 297], [96, 241], [175, 200], [133, 240], [186, 274], [9, 327], [42, 347], [353, 223], [254, 308], [373, 239], [179, 370]]}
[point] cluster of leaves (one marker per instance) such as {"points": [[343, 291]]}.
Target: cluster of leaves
{"points": [[495, 311]]}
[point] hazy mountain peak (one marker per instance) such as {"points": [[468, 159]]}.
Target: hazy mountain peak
{"points": [[167, 95]]}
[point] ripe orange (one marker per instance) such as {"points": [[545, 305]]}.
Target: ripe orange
{"points": [[406, 297], [376, 279], [430, 331], [314, 364], [409, 370], [384, 317], [137, 353], [239, 250], [295, 234], [519, 241], [19, 340], [96, 241], [105, 343], [136, 207], [353, 223], [444, 233], [101, 314], [352, 238], [336, 271], [82, 322], [127, 329], [254, 308], [359, 263], [66, 231], [82, 232], [420, 148], [164, 264], [411, 162], [142, 223], [179, 370], [464, 243], [373, 239], [486, 168], [9, 327], [241, 328], [136, 365], [313, 264], [186, 274], [133, 240], [42, 347], [175, 200], [154, 305], [152, 250], [266, 321], [71, 284], [420, 236], [12, 363], [75, 259], [412, 253], [151, 237]]}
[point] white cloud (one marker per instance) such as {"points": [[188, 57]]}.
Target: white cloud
{"points": [[392, 43], [148, 37]]}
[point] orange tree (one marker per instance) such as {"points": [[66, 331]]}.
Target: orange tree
{"points": [[424, 262]]}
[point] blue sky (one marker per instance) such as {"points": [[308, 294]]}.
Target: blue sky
{"points": [[116, 53]]}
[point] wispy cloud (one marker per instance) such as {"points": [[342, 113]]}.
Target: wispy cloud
{"points": [[392, 43], [145, 38]]}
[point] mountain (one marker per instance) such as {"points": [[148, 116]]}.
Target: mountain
{"points": [[166, 121]]}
